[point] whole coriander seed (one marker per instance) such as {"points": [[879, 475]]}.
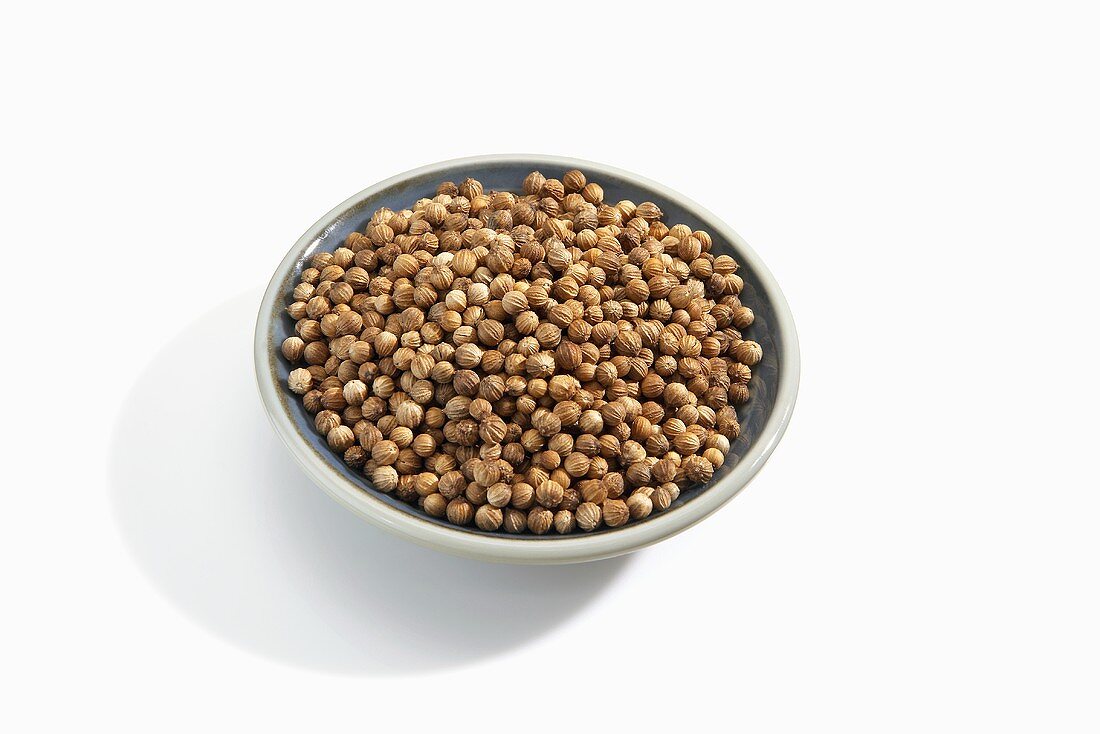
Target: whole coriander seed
{"points": [[539, 520], [293, 348], [384, 478], [340, 438], [564, 522], [615, 513], [588, 516], [549, 494], [488, 517], [515, 521], [300, 381], [639, 505], [533, 183], [384, 453], [435, 505], [325, 421], [460, 511], [499, 495], [748, 353], [573, 181]]}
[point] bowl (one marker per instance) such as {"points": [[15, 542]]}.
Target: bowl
{"points": [[763, 419]]}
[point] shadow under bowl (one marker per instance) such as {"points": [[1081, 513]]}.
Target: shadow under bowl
{"points": [[764, 418]]}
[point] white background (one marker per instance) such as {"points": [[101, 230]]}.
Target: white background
{"points": [[921, 552]]}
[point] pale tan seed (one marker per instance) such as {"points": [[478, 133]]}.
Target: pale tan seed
{"points": [[615, 513], [588, 516]]}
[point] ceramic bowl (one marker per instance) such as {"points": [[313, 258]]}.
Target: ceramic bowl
{"points": [[763, 419]]}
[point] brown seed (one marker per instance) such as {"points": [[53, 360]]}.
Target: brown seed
{"points": [[573, 181], [541, 365], [468, 356], [567, 412], [577, 464], [523, 495], [639, 505], [409, 414], [547, 424], [435, 505], [748, 352], [592, 193], [588, 516], [648, 211], [515, 521], [316, 353], [340, 438], [499, 495], [385, 344], [384, 478], [490, 332], [742, 317], [615, 513], [488, 517], [460, 511], [539, 520], [326, 420], [492, 430], [568, 356], [300, 381], [564, 522], [593, 491], [613, 484], [552, 189], [405, 266], [698, 469], [715, 456], [549, 494], [533, 183], [514, 302], [293, 347], [384, 453], [422, 365]]}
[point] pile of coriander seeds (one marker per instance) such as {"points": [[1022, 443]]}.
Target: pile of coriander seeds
{"points": [[533, 362]]}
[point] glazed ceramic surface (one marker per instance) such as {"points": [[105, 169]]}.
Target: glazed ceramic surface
{"points": [[763, 419]]}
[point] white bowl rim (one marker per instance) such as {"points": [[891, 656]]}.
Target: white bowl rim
{"points": [[550, 550]]}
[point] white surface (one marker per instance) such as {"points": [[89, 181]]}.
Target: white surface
{"points": [[920, 553]]}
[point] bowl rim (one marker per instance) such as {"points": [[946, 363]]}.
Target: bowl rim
{"points": [[551, 550]]}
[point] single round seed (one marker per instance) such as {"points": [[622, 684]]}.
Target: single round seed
{"points": [[748, 352], [384, 478], [615, 513], [588, 516], [499, 495], [340, 438], [293, 348], [488, 517], [385, 453], [549, 494], [539, 520], [460, 511], [564, 522], [435, 505], [639, 506], [300, 381]]}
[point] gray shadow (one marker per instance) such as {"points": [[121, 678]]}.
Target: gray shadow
{"points": [[226, 526]]}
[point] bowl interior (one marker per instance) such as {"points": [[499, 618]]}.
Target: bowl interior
{"points": [[509, 175]]}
